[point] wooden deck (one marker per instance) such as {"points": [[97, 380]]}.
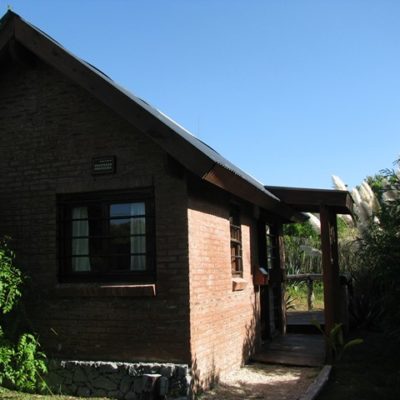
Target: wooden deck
{"points": [[293, 349], [305, 317], [302, 321]]}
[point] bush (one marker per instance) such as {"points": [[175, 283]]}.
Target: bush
{"points": [[21, 362], [377, 272]]}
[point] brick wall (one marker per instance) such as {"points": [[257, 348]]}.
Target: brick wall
{"points": [[51, 129], [222, 321]]}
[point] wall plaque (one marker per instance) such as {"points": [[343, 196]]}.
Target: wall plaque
{"points": [[103, 165]]}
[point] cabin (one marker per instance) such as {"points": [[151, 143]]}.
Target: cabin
{"points": [[149, 254]]}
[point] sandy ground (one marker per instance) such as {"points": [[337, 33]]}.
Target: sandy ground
{"points": [[261, 381]]}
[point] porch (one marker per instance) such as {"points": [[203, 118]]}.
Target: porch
{"points": [[298, 345], [293, 349]]}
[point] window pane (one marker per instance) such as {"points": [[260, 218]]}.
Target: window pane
{"points": [[120, 262], [127, 209], [138, 244], [137, 209], [80, 247], [138, 263], [80, 227], [235, 233], [120, 227], [120, 210], [120, 245], [80, 264], [138, 226]]}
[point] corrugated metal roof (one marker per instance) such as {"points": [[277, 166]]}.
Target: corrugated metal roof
{"points": [[178, 129]]}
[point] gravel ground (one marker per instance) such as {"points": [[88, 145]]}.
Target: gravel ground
{"points": [[261, 381]]}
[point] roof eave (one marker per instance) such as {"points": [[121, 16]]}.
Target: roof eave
{"points": [[227, 180], [139, 114], [306, 199], [7, 28], [74, 69]]}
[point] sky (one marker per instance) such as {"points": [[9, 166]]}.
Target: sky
{"points": [[291, 91]]}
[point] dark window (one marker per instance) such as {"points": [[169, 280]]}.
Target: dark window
{"points": [[236, 242], [107, 237]]}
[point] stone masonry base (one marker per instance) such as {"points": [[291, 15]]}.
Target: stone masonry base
{"points": [[128, 381]]}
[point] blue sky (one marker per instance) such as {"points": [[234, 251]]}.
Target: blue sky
{"points": [[290, 91]]}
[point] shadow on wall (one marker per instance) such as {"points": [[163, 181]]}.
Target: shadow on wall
{"points": [[252, 337], [250, 344], [198, 384]]}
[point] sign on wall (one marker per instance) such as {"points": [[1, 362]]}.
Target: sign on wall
{"points": [[103, 165]]}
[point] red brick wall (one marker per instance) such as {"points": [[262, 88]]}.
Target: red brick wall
{"points": [[50, 130], [222, 321]]}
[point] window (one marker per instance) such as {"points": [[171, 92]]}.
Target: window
{"points": [[236, 242], [106, 237]]}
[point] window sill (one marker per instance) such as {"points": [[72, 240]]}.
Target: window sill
{"points": [[104, 290], [238, 284]]}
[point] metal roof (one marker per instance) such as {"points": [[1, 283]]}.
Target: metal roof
{"points": [[178, 129], [181, 144]]}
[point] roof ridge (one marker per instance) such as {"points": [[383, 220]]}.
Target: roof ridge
{"points": [[197, 156]]}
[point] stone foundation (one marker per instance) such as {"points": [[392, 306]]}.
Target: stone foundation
{"points": [[128, 381]]}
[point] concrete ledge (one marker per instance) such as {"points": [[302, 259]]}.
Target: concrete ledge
{"points": [[238, 284], [104, 290], [316, 386]]}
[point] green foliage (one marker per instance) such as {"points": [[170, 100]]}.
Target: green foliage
{"points": [[335, 340], [344, 231], [299, 261], [289, 301], [377, 269], [297, 293], [21, 365], [304, 230], [366, 304], [298, 237], [29, 364], [21, 362], [10, 280]]}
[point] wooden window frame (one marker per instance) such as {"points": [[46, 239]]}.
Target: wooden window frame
{"points": [[236, 242], [103, 200]]}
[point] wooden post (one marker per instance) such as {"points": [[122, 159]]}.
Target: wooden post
{"points": [[281, 266], [310, 287], [330, 267]]}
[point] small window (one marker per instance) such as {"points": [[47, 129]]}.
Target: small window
{"points": [[106, 237], [236, 242]]}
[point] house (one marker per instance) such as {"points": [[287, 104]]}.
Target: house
{"points": [[142, 243]]}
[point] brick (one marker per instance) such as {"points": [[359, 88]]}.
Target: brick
{"points": [[222, 320], [51, 129]]}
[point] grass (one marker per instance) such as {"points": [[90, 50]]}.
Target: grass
{"points": [[297, 292], [6, 394], [369, 371]]}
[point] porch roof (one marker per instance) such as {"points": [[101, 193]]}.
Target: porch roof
{"points": [[310, 200]]}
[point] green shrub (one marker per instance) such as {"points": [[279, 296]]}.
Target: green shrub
{"points": [[21, 362], [10, 280], [377, 270]]}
